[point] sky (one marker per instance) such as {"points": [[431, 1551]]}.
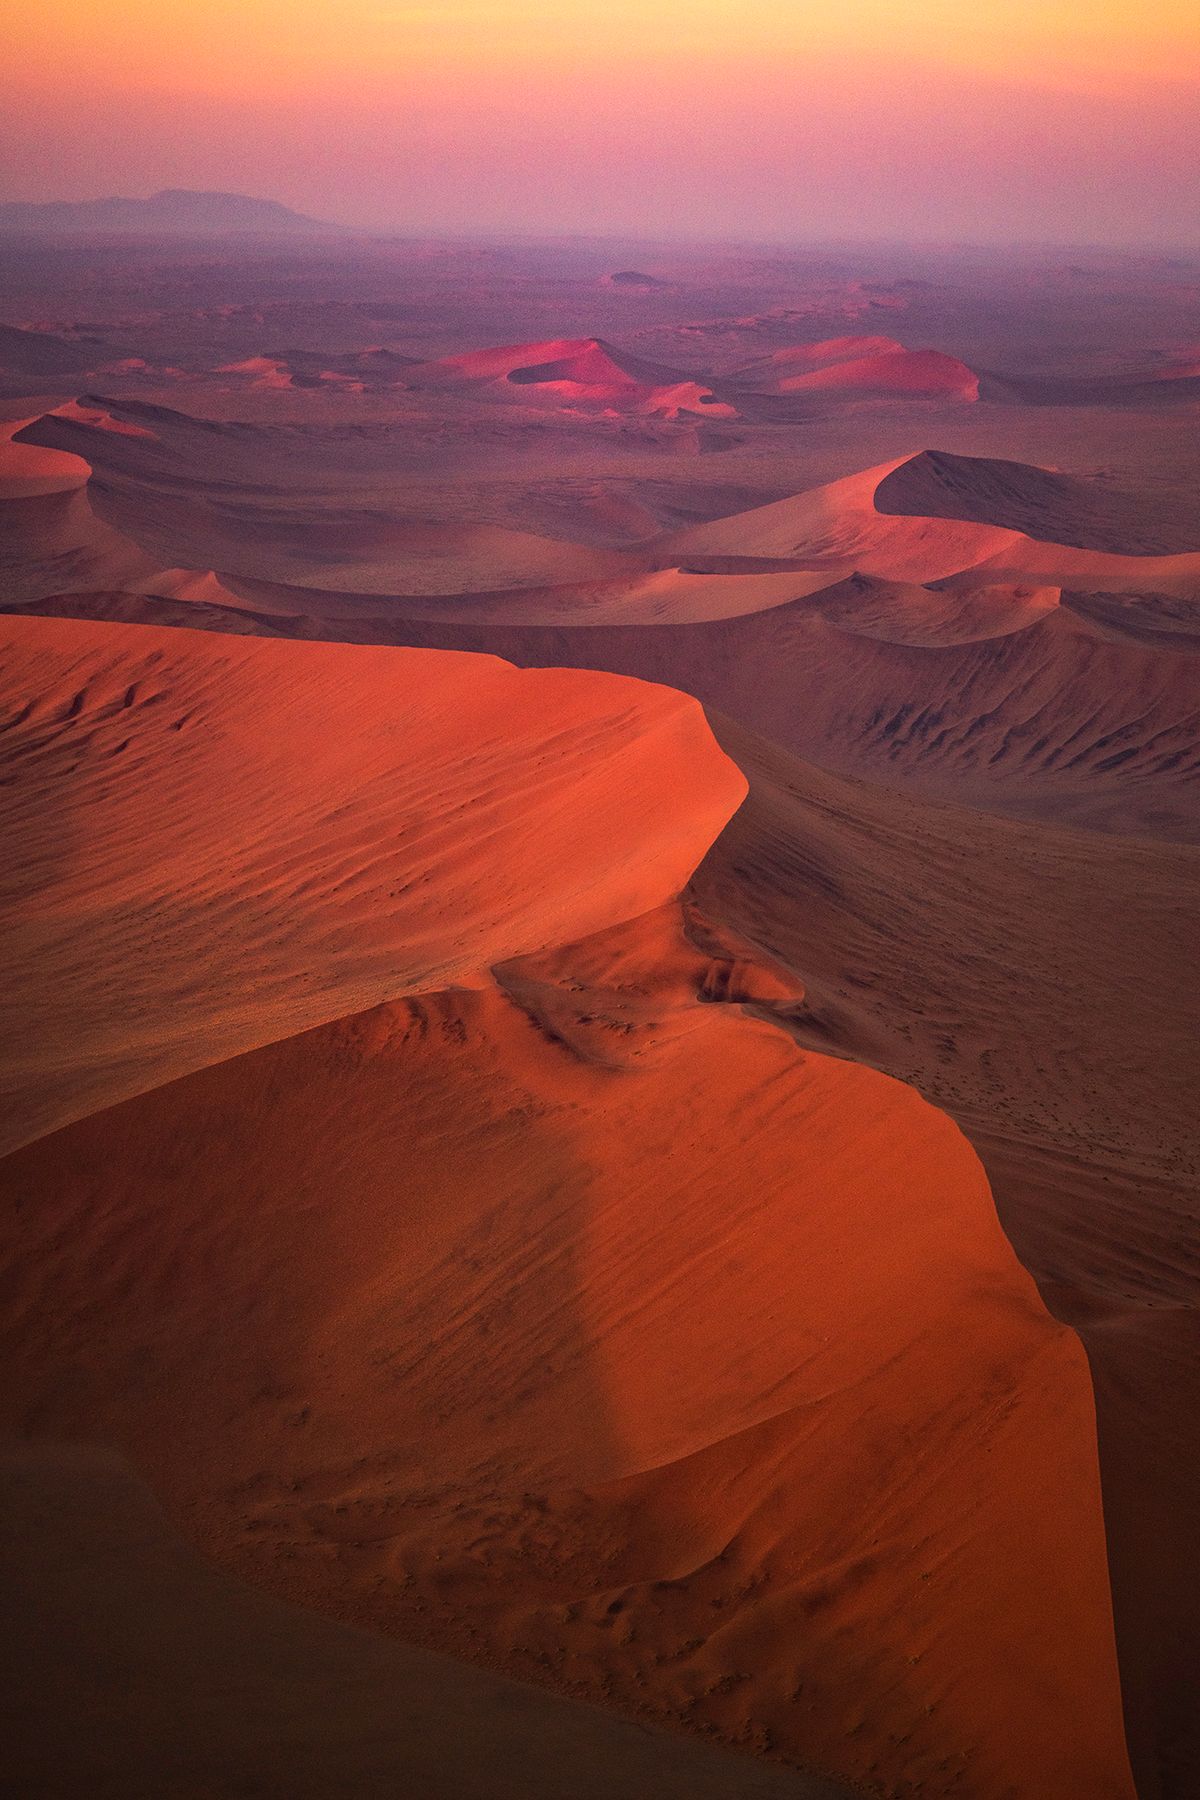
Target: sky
{"points": [[1076, 121]]}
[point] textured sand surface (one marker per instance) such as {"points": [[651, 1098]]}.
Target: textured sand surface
{"points": [[184, 1683], [215, 843]]}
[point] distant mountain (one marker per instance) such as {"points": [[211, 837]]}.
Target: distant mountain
{"points": [[632, 278], [175, 212]]}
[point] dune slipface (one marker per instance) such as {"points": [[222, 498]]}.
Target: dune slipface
{"points": [[567, 1316]]}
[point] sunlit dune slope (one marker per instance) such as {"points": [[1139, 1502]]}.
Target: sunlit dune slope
{"points": [[1040, 984], [862, 366], [214, 842], [583, 1324], [197, 1685]]}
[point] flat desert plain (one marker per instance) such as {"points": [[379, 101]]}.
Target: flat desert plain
{"points": [[599, 1011]]}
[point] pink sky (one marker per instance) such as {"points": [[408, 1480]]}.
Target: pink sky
{"points": [[985, 120]]}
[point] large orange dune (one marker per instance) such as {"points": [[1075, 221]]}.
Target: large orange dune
{"points": [[571, 1318], [284, 842], [1111, 681]]}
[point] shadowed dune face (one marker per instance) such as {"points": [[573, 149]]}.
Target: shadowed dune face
{"points": [[194, 1678], [1037, 502]]}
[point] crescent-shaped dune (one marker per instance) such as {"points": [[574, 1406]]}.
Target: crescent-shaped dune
{"points": [[29, 470]]}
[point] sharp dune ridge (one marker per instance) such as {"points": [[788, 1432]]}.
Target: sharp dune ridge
{"points": [[174, 711]]}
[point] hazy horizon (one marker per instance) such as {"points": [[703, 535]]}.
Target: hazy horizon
{"points": [[991, 125]]}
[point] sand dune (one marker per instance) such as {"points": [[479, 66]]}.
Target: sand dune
{"points": [[828, 351], [265, 868], [866, 366], [472, 1357], [579, 372], [1039, 985], [511, 1402], [880, 522], [28, 470]]}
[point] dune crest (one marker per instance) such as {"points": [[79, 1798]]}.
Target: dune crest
{"points": [[274, 853]]}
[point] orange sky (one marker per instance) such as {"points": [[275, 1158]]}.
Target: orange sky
{"points": [[965, 118]]}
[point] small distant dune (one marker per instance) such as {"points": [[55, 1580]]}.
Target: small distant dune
{"points": [[862, 366], [581, 372]]}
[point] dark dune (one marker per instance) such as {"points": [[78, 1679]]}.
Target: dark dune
{"points": [[1040, 502], [197, 1685]]}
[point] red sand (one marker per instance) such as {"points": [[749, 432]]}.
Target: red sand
{"points": [[211, 847]]}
